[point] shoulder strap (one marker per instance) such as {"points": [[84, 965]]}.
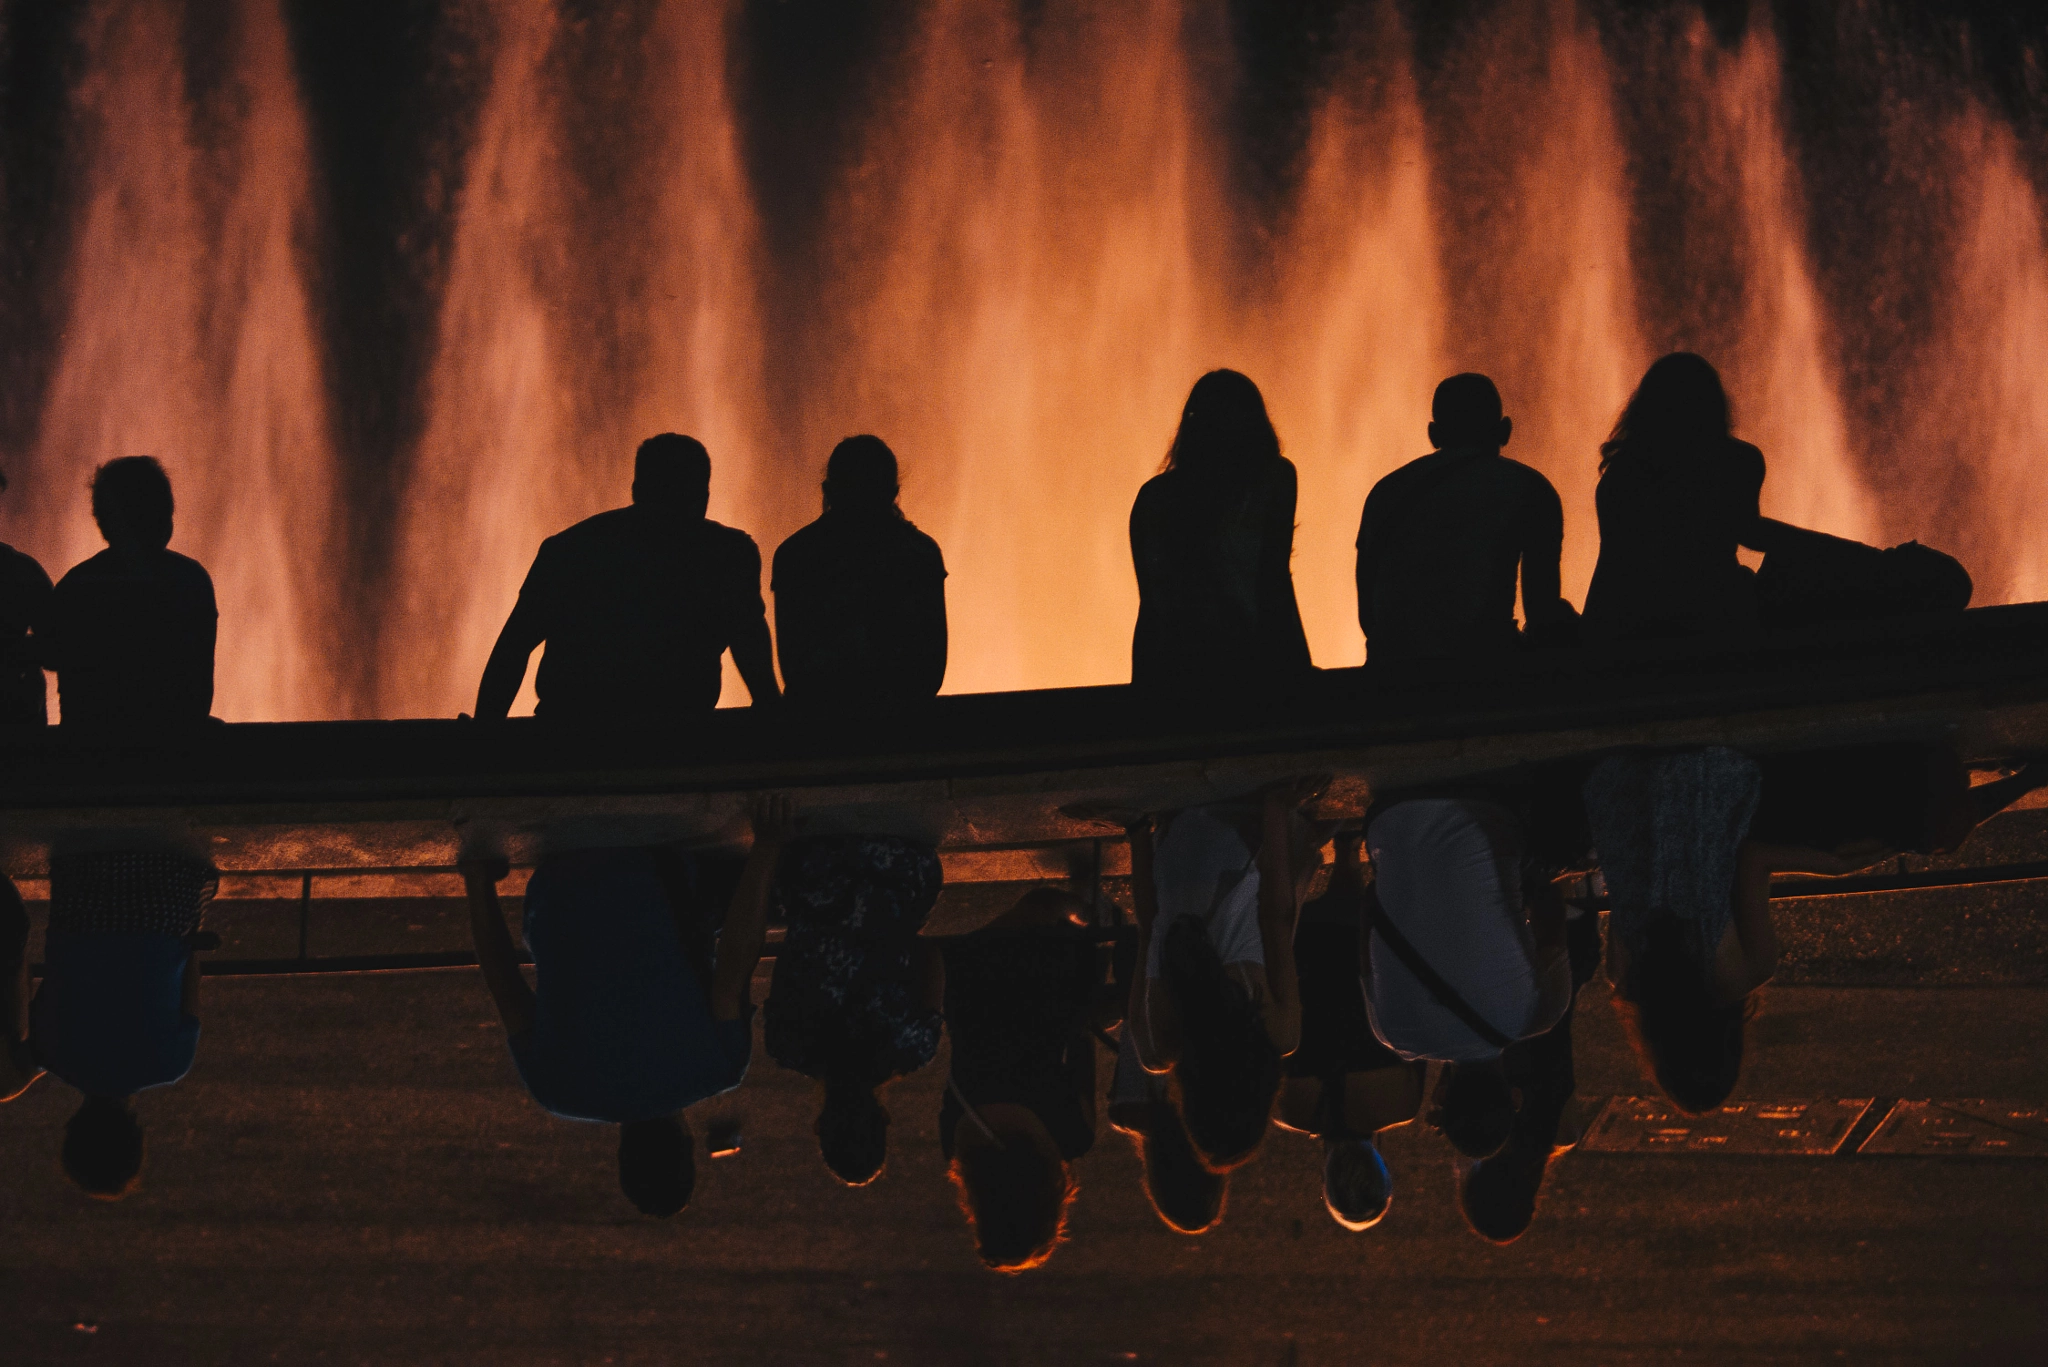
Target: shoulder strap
{"points": [[1446, 996]]}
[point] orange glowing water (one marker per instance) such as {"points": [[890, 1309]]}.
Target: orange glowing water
{"points": [[1036, 249]]}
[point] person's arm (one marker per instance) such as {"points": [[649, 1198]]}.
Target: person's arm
{"points": [[1753, 960], [506, 669], [1367, 573], [752, 652], [494, 952], [928, 628], [1543, 605], [1279, 610], [18, 1068], [746, 921]]}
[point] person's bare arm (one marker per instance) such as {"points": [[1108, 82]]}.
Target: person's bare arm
{"points": [[1151, 1010], [1278, 909], [1367, 573], [746, 921], [495, 954], [1543, 602], [506, 669], [1753, 960], [930, 635], [754, 656]]}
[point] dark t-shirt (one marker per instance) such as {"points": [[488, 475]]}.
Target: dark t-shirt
{"points": [[131, 636], [637, 608], [1670, 521], [1216, 605], [860, 610], [622, 1024], [109, 1018], [24, 605], [1439, 547]]}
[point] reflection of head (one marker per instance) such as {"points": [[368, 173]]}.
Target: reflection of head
{"points": [[860, 477], [673, 473], [1225, 436], [1466, 412], [1186, 1194], [657, 1167], [853, 1133], [1229, 1069], [103, 1148], [1357, 1188], [1478, 1110], [1690, 1042], [1680, 401], [1016, 1197], [131, 500]]}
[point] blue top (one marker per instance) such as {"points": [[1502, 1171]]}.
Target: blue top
{"points": [[622, 1025], [109, 1018]]}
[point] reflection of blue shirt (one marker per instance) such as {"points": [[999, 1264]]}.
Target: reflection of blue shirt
{"points": [[622, 1029], [109, 1018]]}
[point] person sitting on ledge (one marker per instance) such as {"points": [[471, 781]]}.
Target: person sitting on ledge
{"points": [[860, 594], [635, 1014], [131, 635], [1212, 536], [638, 605], [1443, 538], [24, 605], [131, 631], [1020, 1093]]}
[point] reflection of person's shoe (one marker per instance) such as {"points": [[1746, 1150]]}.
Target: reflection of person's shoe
{"points": [[1498, 1194]]}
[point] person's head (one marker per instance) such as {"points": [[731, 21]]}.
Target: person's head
{"points": [[657, 1165], [1475, 1109], [1224, 436], [103, 1148], [860, 477], [1016, 1196], [672, 473], [131, 501], [1357, 1188], [853, 1132], [1229, 1068], [1680, 402], [1187, 1196], [1690, 1042], [1466, 412]]}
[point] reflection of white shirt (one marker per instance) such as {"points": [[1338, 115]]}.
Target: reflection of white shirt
{"points": [[1448, 874], [1203, 869]]}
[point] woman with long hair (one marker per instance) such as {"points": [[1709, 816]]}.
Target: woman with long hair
{"points": [[1212, 536], [1677, 494]]}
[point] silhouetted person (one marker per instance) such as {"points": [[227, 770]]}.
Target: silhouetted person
{"points": [[1185, 1195], [1443, 539], [1809, 578], [860, 594], [857, 994], [1020, 1095], [1217, 1004], [131, 631], [1343, 1086], [1211, 538], [635, 1013], [24, 605], [1677, 494], [638, 605]]}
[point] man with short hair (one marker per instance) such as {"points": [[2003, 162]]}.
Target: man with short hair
{"points": [[638, 605], [1444, 538]]}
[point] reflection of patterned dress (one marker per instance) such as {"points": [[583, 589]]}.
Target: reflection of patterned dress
{"points": [[847, 992], [129, 893]]}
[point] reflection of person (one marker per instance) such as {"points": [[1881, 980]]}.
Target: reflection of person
{"points": [[860, 594], [24, 603], [855, 1000], [131, 631], [1444, 540], [638, 605], [1216, 1003], [1211, 539], [1020, 1097], [1677, 494], [1343, 1086], [1184, 1193], [630, 1019]]}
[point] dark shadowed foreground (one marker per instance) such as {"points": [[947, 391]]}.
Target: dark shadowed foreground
{"points": [[352, 1174]]}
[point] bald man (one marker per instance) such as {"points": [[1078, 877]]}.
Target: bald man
{"points": [[1445, 538]]}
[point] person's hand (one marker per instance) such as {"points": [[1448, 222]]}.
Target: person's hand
{"points": [[773, 817], [490, 869]]}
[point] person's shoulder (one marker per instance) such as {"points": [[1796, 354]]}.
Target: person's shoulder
{"points": [[605, 526], [728, 539], [20, 566], [92, 567], [1744, 458], [1527, 477], [185, 569], [919, 544]]}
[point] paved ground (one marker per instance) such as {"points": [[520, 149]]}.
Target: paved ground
{"points": [[352, 1175]]}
